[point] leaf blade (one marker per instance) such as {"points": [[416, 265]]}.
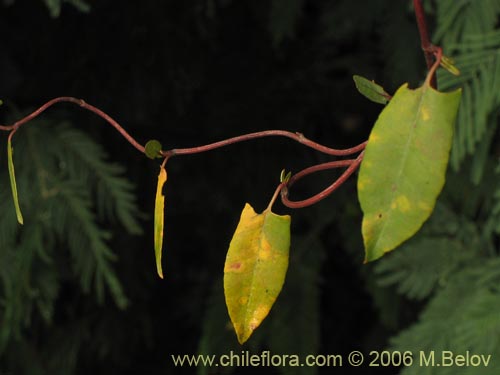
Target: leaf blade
{"points": [[371, 90], [13, 184], [404, 166], [159, 219], [255, 268]]}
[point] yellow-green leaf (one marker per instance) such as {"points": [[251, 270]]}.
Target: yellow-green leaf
{"points": [[448, 64], [13, 184], [255, 268], [404, 166], [158, 226]]}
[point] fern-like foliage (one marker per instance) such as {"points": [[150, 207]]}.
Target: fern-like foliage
{"points": [[54, 6], [67, 190], [492, 226], [463, 316], [427, 261], [468, 30]]}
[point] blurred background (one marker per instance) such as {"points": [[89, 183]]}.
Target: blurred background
{"points": [[79, 292]]}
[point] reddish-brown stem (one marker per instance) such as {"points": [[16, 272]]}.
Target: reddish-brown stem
{"points": [[82, 104], [275, 196], [351, 164], [438, 54], [298, 137], [425, 41]]}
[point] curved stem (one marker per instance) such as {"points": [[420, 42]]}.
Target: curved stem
{"points": [[352, 165], [425, 41], [82, 104], [275, 196], [298, 137], [438, 54]]}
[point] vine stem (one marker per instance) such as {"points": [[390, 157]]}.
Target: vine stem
{"points": [[425, 42], [80, 102], [351, 164], [275, 196], [438, 54], [298, 137], [283, 187]]}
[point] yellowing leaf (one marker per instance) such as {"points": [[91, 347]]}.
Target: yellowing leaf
{"points": [[255, 268], [13, 184], [404, 166], [158, 226]]}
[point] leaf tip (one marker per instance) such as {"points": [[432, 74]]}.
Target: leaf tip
{"points": [[159, 270]]}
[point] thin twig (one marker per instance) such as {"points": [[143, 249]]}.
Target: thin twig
{"points": [[352, 165], [82, 104], [425, 41], [298, 137]]}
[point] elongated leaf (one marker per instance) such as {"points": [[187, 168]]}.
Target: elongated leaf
{"points": [[13, 184], [403, 169], [158, 226], [371, 90], [255, 268]]}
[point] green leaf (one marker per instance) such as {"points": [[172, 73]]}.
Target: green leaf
{"points": [[158, 225], [371, 90], [255, 268], [448, 64], [285, 177], [152, 149], [13, 184], [403, 169]]}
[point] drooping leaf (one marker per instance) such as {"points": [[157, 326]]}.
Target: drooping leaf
{"points": [[158, 225], [371, 90], [255, 268], [403, 169], [152, 149], [13, 184]]}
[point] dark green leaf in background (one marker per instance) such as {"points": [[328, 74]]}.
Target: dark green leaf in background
{"points": [[370, 90]]}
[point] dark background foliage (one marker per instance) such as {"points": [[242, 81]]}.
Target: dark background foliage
{"points": [[188, 73]]}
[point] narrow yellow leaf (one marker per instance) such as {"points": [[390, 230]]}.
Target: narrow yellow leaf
{"points": [[158, 226], [13, 184]]}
